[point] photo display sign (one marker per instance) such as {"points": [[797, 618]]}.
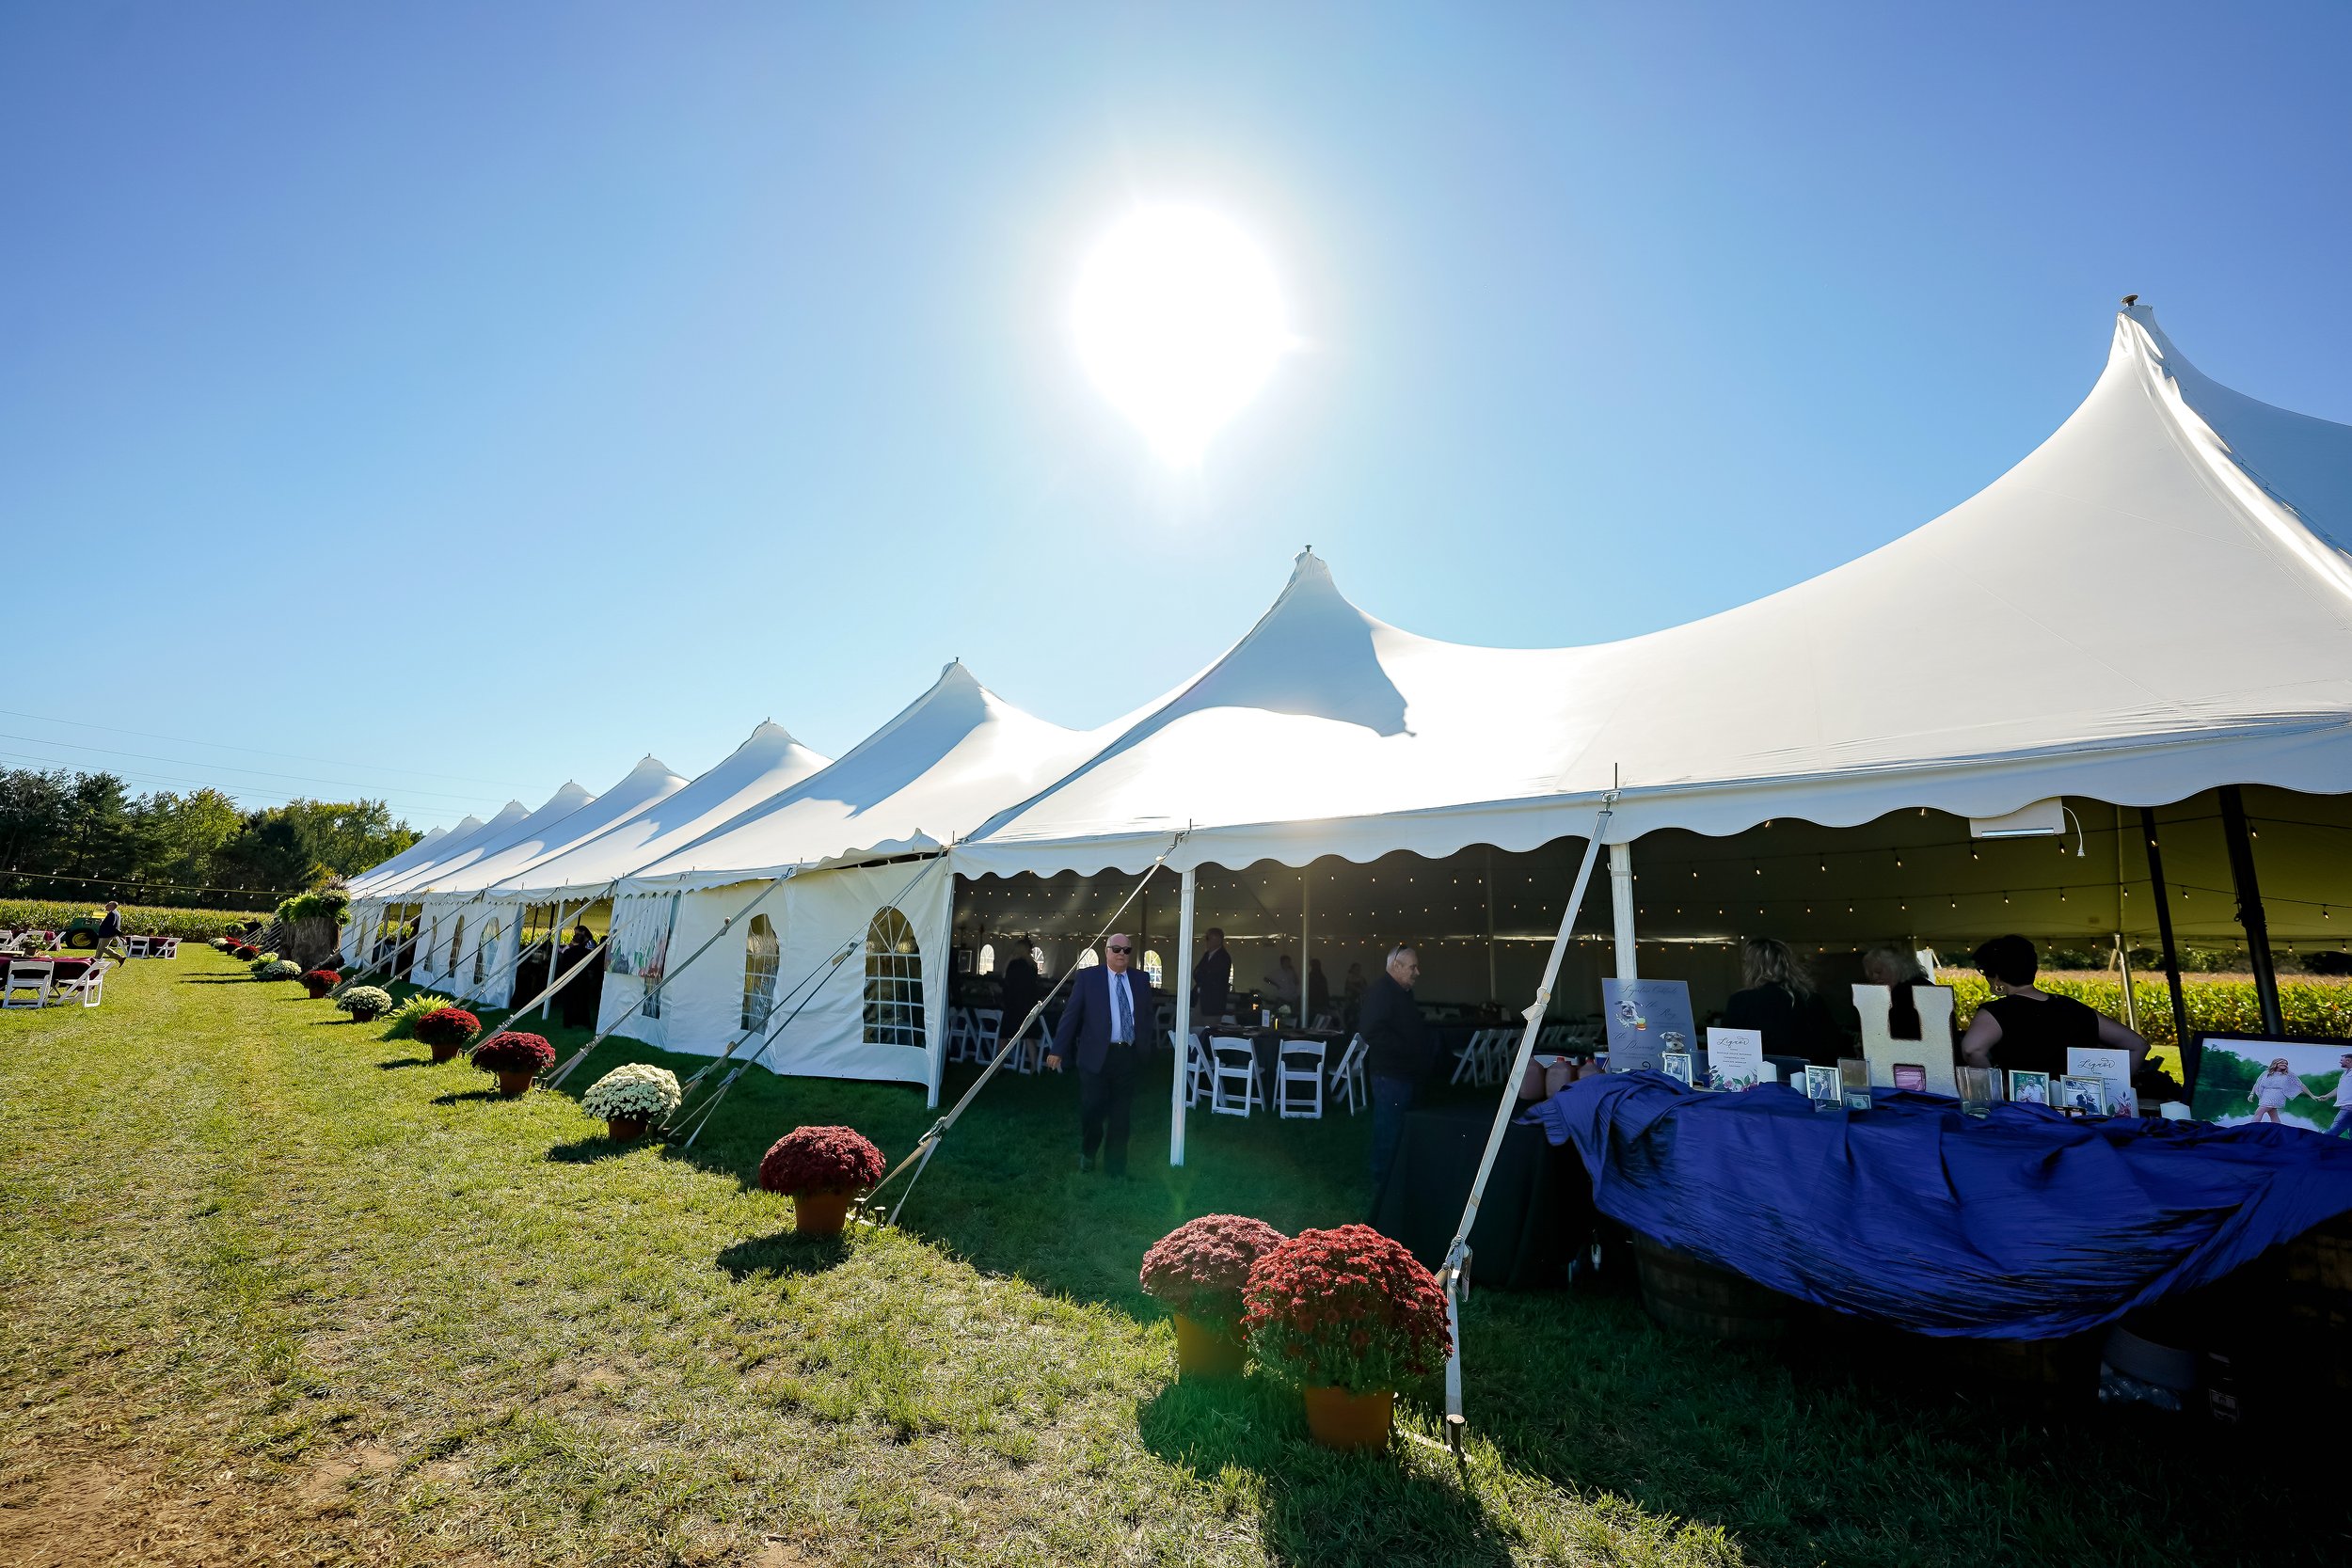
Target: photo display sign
{"points": [[2111, 1067], [2300, 1083], [1734, 1058], [1645, 1020]]}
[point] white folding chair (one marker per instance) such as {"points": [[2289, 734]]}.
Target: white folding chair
{"points": [[137, 947], [1199, 1072], [30, 979], [958, 1034], [1233, 1060], [988, 1024], [1326, 1021], [1465, 1060], [171, 947], [1298, 1061], [1347, 1079], [90, 985]]}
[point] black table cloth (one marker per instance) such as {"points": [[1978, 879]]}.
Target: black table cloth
{"points": [[1535, 1215]]}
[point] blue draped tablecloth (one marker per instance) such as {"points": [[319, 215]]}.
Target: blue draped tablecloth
{"points": [[2018, 1226]]}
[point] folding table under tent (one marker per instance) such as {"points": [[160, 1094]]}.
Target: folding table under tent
{"points": [[580, 877], [2155, 602], [848, 845], [493, 916]]}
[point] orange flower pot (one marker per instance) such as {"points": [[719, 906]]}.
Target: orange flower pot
{"points": [[1206, 1350], [1338, 1419], [446, 1053], [820, 1214], [625, 1129], [511, 1086]]}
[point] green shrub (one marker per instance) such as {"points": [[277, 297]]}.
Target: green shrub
{"points": [[328, 904], [139, 919], [404, 1021]]}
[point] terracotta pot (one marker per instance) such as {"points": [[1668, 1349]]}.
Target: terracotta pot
{"points": [[1206, 1350], [1338, 1419], [820, 1214], [512, 1086], [317, 992], [623, 1129], [443, 1051]]}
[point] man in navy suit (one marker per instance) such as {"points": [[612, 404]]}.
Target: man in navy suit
{"points": [[1102, 1028]]}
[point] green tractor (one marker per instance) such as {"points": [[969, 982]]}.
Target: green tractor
{"points": [[80, 931]]}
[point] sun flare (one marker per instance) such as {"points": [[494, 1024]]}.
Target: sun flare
{"points": [[1179, 322]]}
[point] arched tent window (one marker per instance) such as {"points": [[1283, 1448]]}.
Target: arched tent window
{"points": [[456, 937], [482, 949], [894, 982], [1037, 956], [762, 956], [988, 957], [1152, 966], [1089, 959]]}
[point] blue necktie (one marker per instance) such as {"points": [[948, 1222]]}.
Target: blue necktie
{"points": [[1122, 1005]]}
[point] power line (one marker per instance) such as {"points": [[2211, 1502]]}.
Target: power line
{"points": [[253, 751], [224, 766]]}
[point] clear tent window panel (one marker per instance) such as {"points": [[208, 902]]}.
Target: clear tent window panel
{"points": [[1152, 966], [456, 939], [988, 957], [482, 949], [763, 955], [894, 982]]}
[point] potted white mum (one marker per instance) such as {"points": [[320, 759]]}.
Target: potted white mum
{"points": [[632, 1097]]}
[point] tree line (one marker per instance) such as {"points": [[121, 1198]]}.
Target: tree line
{"points": [[81, 835]]}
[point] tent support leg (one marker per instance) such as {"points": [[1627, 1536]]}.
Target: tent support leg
{"points": [[2250, 917], [2171, 954], [1453, 1274], [1621, 898], [1182, 1070], [2131, 1002]]}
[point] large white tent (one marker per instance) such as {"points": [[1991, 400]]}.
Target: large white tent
{"points": [[859, 843]]}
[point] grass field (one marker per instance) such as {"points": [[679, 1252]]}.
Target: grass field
{"points": [[276, 1291]]}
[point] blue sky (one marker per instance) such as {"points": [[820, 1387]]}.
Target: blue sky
{"points": [[506, 392]]}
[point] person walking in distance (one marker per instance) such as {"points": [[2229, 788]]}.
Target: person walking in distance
{"points": [[1100, 1031], [110, 944]]}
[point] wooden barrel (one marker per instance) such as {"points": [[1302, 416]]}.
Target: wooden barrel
{"points": [[1689, 1296]]}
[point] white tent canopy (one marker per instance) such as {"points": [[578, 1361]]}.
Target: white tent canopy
{"points": [[2157, 601], [461, 841], [408, 858], [449, 872], [645, 785], [953, 757], [767, 763]]}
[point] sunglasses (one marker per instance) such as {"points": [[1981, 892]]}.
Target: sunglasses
{"points": [[1122, 949]]}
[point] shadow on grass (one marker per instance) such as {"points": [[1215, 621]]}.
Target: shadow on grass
{"points": [[393, 1063], [783, 1253], [1320, 1507], [587, 1151], [460, 1097]]}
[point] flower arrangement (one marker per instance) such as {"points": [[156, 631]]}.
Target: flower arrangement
{"points": [[243, 952], [278, 969], [1198, 1269], [1346, 1309], [318, 982], [509, 1051], [220, 944], [365, 1004], [637, 1092], [409, 1013], [812, 1160], [447, 1027]]}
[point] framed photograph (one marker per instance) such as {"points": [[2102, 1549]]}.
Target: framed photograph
{"points": [[1822, 1087], [1911, 1076], [2029, 1088], [2087, 1096], [2303, 1081], [1645, 1019], [1853, 1077], [1676, 1065]]}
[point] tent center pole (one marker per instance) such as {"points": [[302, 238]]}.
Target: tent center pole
{"points": [[1621, 894], [1183, 978], [2164, 936], [2249, 907], [1306, 901], [2131, 1002], [1494, 991]]}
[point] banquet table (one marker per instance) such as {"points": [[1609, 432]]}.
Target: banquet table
{"points": [[62, 968], [2019, 1224], [1533, 1218]]}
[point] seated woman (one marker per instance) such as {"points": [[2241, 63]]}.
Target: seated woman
{"points": [[2022, 1029], [1781, 1003]]}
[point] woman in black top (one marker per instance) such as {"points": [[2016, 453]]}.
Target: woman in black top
{"points": [[1781, 1003], [2024, 1030]]}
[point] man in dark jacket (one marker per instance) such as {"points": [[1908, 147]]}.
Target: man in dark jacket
{"points": [[1213, 980], [1101, 1030], [1017, 986], [1398, 1054], [110, 944]]}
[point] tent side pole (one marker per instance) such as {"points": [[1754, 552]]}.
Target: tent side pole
{"points": [[1306, 933], [1494, 991], [1184, 1023], [2171, 954], [1621, 896], [555, 946], [2250, 917]]}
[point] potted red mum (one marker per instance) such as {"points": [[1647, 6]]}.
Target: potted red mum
{"points": [[821, 1169], [516, 1058], [450, 1030], [1198, 1270], [318, 982], [1348, 1315], [246, 954]]}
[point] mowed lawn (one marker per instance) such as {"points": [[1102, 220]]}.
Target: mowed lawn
{"points": [[276, 1289]]}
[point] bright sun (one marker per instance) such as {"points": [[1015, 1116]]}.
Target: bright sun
{"points": [[1179, 322]]}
